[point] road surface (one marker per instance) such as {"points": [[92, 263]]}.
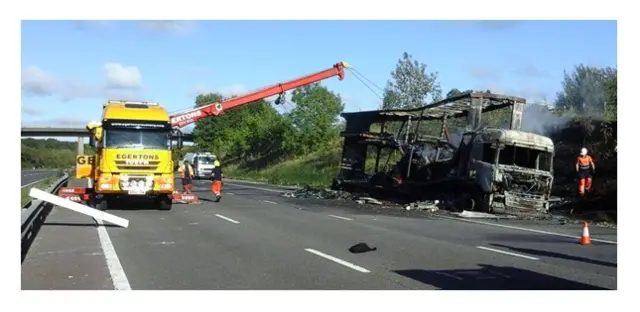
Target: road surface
{"points": [[257, 239], [29, 177]]}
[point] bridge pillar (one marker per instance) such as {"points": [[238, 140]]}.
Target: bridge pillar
{"points": [[80, 145]]}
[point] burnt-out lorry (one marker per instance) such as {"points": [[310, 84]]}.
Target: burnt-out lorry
{"points": [[446, 151]]}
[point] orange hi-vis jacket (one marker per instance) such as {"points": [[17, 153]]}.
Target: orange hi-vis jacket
{"points": [[182, 171], [584, 162]]}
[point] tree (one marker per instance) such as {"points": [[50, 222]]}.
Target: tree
{"points": [[247, 132], [315, 115], [49, 153], [410, 85], [585, 90]]}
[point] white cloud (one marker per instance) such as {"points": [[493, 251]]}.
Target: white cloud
{"points": [[122, 82], [37, 82], [168, 26], [122, 77], [30, 110]]}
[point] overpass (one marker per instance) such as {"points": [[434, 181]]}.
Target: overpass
{"points": [[80, 133]]}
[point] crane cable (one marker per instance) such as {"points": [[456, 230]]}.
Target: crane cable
{"points": [[358, 76]]}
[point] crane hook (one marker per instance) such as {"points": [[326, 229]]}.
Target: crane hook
{"points": [[281, 99]]}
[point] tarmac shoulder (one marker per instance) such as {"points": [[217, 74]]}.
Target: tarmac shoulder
{"points": [[66, 254]]}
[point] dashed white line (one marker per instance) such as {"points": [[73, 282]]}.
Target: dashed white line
{"points": [[339, 217], [338, 260], [449, 275], [228, 219], [229, 193], [527, 230], [506, 252], [118, 277], [270, 202]]}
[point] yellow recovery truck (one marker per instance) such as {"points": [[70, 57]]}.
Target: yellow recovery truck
{"points": [[133, 146]]}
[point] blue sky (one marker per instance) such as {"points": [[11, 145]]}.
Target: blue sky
{"points": [[70, 68]]}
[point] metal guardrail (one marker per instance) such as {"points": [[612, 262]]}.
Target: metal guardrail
{"points": [[33, 210]]}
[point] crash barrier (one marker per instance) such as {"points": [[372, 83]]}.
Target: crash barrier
{"points": [[34, 213]]}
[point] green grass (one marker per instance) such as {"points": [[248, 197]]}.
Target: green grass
{"points": [[316, 169], [42, 185]]}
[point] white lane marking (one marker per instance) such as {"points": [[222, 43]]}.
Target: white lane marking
{"points": [[228, 219], [118, 277], [449, 275], [32, 183], [339, 217], [257, 188], [229, 193], [270, 202], [506, 253], [338, 260], [528, 230]]}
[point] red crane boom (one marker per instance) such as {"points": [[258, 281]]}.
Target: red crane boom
{"points": [[215, 109]]}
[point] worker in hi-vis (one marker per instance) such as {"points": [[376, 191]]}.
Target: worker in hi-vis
{"points": [[216, 180], [585, 169], [186, 174]]}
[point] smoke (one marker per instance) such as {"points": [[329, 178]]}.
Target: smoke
{"points": [[591, 94], [455, 135], [538, 118]]}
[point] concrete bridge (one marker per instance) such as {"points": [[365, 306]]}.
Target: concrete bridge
{"points": [[80, 133]]}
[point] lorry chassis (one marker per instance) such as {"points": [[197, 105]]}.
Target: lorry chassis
{"points": [[460, 167]]}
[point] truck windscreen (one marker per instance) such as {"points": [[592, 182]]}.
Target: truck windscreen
{"points": [[205, 160], [138, 139]]}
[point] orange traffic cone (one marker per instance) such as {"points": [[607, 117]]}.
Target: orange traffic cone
{"points": [[585, 240]]}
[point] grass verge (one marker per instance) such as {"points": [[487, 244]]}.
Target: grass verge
{"points": [[42, 185], [316, 169]]}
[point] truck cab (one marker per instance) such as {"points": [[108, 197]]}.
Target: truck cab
{"points": [[511, 169], [133, 145]]}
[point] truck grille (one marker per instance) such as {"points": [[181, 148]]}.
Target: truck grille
{"points": [[123, 165]]}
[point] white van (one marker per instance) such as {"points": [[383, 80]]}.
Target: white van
{"points": [[202, 164]]}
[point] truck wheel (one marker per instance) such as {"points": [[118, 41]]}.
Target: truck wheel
{"points": [[102, 205], [481, 202], [163, 202]]}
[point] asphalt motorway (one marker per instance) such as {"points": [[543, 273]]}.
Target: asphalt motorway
{"points": [[257, 239], [28, 177]]}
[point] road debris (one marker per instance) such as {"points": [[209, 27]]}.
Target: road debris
{"points": [[482, 215], [309, 192], [424, 205]]}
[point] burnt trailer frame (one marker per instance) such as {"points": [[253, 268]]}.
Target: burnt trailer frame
{"points": [[357, 135]]}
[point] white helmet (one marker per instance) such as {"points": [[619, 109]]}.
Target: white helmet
{"points": [[583, 151]]}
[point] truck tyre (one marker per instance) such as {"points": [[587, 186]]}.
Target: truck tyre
{"points": [[481, 201], [102, 204], [163, 202]]}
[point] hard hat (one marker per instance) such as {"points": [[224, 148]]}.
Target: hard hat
{"points": [[216, 163], [583, 151]]}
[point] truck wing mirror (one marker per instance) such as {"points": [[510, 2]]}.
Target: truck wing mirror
{"points": [[179, 139]]}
